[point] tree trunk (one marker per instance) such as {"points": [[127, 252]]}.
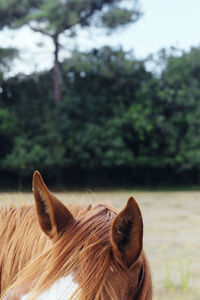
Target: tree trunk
{"points": [[57, 75]]}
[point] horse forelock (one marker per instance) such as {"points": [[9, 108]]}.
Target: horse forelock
{"points": [[85, 251]]}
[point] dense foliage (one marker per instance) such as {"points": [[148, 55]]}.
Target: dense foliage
{"points": [[118, 124]]}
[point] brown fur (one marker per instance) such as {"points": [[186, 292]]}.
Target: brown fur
{"points": [[101, 248]]}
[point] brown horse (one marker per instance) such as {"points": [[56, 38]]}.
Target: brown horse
{"points": [[91, 253]]}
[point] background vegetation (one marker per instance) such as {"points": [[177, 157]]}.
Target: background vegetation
{"points": [[99, 118]]}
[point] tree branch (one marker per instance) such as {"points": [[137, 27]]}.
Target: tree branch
{"points": [[41, 31]]}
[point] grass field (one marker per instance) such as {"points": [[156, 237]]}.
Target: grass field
{"points": [[171, 235]]}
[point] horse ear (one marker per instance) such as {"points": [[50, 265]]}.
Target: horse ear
{"points": [[53, 216], [127, 234]]}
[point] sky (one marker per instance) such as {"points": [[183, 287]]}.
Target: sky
{"points": [[165, 23]]}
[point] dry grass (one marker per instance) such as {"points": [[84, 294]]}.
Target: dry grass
{"points": [[171, 238]]}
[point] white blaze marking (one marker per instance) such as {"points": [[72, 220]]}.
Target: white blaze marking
{"points": [[62, 289]]}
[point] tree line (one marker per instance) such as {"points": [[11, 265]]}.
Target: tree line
{"points": [[118, 124]]}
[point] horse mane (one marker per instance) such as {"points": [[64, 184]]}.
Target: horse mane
{"points": [[28, 256], [21, 240]]}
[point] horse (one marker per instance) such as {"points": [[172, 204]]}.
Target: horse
{"points": [[53, 251]]}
